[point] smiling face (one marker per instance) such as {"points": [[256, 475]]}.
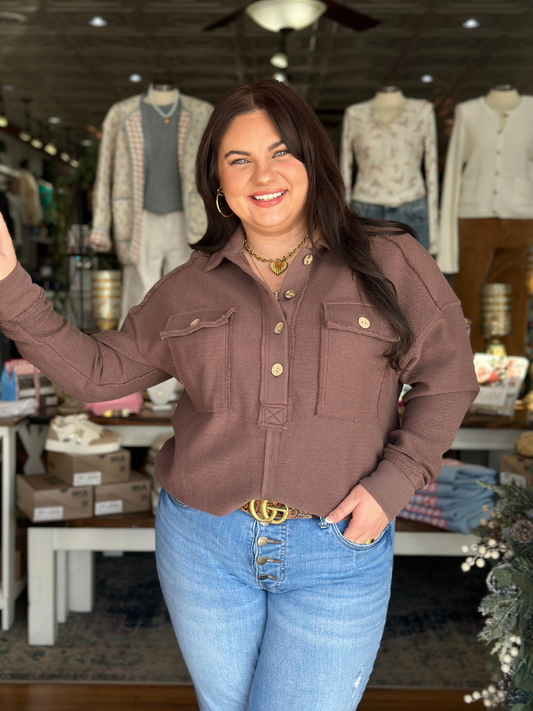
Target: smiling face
{"points": [[264, 185]]}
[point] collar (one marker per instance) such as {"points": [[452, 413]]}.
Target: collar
{"points": [[235, 246]]}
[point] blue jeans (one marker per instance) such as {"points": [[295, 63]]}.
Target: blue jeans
{"points": [[414, 214], [287, 616]]}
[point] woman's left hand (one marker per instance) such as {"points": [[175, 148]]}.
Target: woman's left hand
{"points": [[368, 518]]}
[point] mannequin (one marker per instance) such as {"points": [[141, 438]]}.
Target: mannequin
{"points": [[145, 185], [388, 103], [388, 136], [487, 205]]}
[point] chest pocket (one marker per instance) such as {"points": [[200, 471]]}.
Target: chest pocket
{"points": [[354, 337], [201, 345]]}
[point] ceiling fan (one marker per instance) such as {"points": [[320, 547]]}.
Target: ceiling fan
{"points": [[277, 15]]}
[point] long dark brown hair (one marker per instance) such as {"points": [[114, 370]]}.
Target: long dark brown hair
{"points": [[347, 234]]}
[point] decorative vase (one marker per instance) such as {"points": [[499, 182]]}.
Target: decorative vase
{"points": [[106, 293], [496, 312]]}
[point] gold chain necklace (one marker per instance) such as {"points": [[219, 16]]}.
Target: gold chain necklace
{"points": [[276, 293], [278, 266]]}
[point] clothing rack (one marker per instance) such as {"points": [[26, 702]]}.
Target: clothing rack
{"points": [[9, 171]]}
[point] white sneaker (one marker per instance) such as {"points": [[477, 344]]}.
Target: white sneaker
{"points": [[76, 434]]}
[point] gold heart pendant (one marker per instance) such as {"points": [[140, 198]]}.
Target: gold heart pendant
{"points": [[278, 266]]}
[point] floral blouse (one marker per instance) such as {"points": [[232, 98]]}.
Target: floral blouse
{"points": [[389, 157]]}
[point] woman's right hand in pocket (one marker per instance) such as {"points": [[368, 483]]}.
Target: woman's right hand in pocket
{"points": [[8, 258]]}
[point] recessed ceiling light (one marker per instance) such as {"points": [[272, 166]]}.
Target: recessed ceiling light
{"points": [[74, 163], [8, 87], [427, 78], [98, 22], [3, 121], [65, 157], [25, 136], [37, 143], [86, 142], [135, 78], [471, 24], [54, 119], [279, 60], [50, 149], [280, 76]]}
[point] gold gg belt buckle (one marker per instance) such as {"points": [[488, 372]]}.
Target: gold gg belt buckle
{"points": [[268, 511]]}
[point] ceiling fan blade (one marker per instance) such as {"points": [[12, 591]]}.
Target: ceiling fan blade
{"points": [[226, 20], [348, 17]]}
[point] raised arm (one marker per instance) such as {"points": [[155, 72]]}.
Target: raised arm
{"points": [[90, 368]]}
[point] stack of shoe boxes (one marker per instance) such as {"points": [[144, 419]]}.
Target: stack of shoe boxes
{"points": [[82, 486]]}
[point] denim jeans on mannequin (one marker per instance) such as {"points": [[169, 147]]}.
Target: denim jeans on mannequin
{"points": [[414, 214], [287, 616]]}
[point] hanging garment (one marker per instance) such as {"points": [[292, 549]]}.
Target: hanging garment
{"points": [[18, 217], [488, 171], [119, 189], [414, 214], [493, 250], [6, 214], [28, 191], [389, 157], [163, 247]]}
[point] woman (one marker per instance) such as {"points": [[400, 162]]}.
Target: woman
{"points": [[292, 327]]}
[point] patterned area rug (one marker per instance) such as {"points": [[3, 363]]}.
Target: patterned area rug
{"points": [[429, 640]]}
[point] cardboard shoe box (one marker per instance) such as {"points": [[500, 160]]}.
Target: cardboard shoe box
{"points": [[45, 497], [513, 467], [123, 497], [90, 469]]}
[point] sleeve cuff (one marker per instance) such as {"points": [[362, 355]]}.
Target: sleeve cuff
{"points": [[99, 240], [390, 488], [17, 293]]}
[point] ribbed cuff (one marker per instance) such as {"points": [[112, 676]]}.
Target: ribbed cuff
{"points": [[17, 293], [390, 488]]}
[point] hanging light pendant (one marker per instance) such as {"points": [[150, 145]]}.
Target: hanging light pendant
{"points": [[275, 15]]}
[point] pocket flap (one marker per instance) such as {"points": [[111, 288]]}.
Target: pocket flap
{"points": [[358, 317], [183, 324]]}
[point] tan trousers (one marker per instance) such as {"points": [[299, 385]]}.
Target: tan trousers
{"points": [[491, 251], [163, 248]]}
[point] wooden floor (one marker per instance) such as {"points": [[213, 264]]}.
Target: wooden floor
{"points": [[99, 697]]}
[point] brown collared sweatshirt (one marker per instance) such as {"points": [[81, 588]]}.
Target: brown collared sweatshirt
{"points": [[288, 400]]}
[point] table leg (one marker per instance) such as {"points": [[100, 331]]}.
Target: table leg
{"points": [[80, 581], [33, 438], [61, 586], [9, 440], [42, 621]]}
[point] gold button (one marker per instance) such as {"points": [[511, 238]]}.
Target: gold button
{"points": [[279, 328], [195, 322], [364, 322], [277, 369], [262, 541], [262, 560], [308, 259], [290, 294]]}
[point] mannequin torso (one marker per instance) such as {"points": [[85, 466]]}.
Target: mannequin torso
{"points": [[388, 104], [503, 101], [162, 95]]}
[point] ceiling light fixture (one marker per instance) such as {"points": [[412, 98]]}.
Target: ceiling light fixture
{"points": [[86, 142], [65, 156], [135, 78], [98, 22], [426, 79], [50, 149], [36, 143], [279, 60], [54, 120], [74, 163], [3, 120], [280, 76], [471, 24], [276, 15], [8, 87]]}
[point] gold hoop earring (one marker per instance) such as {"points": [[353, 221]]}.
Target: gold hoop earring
{"points": [[221, 194]]}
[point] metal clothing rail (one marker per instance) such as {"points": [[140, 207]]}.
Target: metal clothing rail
{"points": [[9, 171]]}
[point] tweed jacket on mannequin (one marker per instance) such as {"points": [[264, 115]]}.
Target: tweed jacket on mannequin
{"points": [[119, 187]]}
